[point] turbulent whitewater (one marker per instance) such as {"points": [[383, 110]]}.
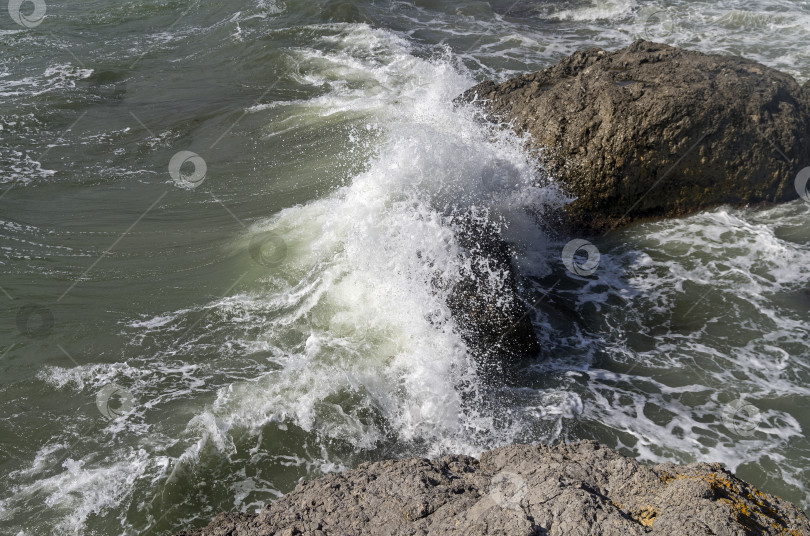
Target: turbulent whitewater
{"points": [[281, 320]]}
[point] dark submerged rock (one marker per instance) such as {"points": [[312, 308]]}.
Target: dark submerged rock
{"points": [[651, 130], [485, 302], [581, 489]]}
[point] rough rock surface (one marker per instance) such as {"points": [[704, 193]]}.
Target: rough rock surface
{"points": [[651, 130], [568, 490]]}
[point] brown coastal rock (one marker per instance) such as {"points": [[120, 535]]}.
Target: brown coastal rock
{"points": [[651, 130]]}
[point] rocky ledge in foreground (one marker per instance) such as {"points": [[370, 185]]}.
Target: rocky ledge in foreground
{"points": [[566, 490], [651, 130]]}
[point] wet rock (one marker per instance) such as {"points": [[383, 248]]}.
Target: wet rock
{"points": [[485, 301], [806, 93], [651, 130], [581, 489]]}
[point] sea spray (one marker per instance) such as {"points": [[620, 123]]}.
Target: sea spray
{"points": [[182, 315], [367, 348]]}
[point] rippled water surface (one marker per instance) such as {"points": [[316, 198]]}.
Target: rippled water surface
{"points": [[183, 335]]}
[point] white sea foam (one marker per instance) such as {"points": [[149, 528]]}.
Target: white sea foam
{"points": [[598, 9], [356, 283], [354, 299], [348, 345], [83, 488], [361, 346], [704, 291]]}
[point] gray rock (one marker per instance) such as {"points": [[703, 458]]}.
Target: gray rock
{"points": [[651, 130], [581, 489]]}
